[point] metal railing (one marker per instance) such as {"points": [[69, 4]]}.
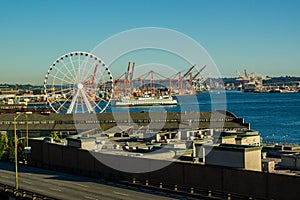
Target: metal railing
{"points": [[201, 193], [22, 194]]}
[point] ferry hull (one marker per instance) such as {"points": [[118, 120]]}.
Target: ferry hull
{"points": [[147, 102]]}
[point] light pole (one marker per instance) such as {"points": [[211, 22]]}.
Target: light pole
{"points": [[26, 116], [16, 144]]}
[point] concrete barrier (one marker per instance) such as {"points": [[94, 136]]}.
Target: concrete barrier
{"points": [[257, 185]]}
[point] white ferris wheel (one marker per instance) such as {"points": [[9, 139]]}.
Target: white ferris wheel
{"points": [[78, 82]]}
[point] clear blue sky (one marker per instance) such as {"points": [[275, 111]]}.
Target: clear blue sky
{"points": [[259, 35]]}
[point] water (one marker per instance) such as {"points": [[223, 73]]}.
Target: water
{"points": [[274, 115]]}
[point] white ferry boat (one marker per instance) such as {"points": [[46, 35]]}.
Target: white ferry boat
{"points": [[146, 101]]}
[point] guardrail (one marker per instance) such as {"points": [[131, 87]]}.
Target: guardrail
{"points": [[22, 194], [202, 193]]}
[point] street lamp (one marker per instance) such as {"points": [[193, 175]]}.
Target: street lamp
{"points": [[16, 143]]}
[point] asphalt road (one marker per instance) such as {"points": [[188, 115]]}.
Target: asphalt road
{"points": [[65, 186]]}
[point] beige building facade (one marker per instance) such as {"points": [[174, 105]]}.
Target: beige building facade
{"points": [[235, 156]]}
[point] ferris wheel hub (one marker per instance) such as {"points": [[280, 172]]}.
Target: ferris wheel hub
{"points": [[80, 86]]}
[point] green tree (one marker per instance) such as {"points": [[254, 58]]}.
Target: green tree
{"points": [[20, 150], [3, 144], [54, 136], [103, 127], [11, 149]]}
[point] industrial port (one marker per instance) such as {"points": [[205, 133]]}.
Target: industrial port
{"points": [[196, 154], [145, 149], [153, 88], [259, 84]]}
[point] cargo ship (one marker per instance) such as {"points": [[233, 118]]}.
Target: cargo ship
{"points": [[146, 101]]}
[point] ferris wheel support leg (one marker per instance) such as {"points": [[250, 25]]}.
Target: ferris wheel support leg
{"points": [[70, 109], [86, 101]]}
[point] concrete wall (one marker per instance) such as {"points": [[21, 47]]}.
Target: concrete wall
{"points": [[242, 157], [268, 165], [89, 144], [290, 161], [282, 186], [249, 140], [298, 163], [253, 160], [226, 158], [250, 183], [228, 140]]}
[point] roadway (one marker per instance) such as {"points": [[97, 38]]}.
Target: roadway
{"points": [[66, 186]]}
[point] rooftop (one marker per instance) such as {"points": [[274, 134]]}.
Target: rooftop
{"points": [[235, 147]]}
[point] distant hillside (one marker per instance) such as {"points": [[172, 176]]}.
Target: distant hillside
{"points": [[19, 86], [273, 80], [227, 80], [282, 79]]}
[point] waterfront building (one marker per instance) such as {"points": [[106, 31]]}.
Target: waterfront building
{"points": [[235, 156], [68, 124], [240, 137]]}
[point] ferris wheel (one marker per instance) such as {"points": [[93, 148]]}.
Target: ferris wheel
{"points": [[78, 82]]}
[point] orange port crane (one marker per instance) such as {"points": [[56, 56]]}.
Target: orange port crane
{"points": [[197, 74], [131, 77], [188, 72], [126, 78], [90, 82], [132, 71], [180, 79], [91, 79]]}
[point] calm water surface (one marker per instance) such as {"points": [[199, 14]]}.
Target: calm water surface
{"points": [[274, 115]]}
